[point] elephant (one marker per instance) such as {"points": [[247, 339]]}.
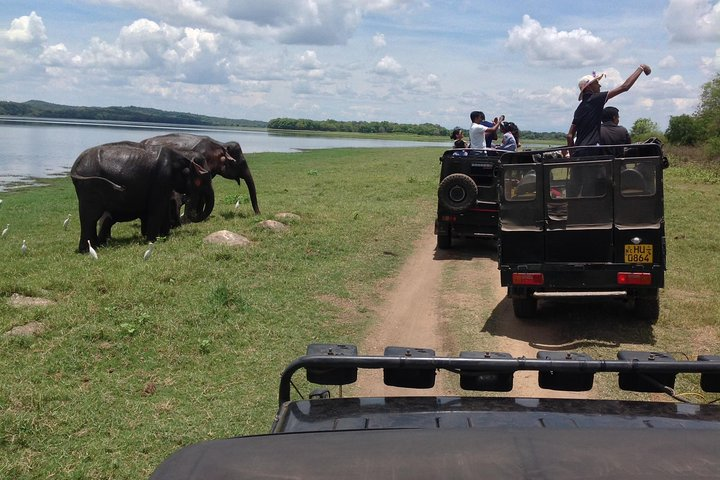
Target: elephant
{"points": [[123, 181], [226, 159]]}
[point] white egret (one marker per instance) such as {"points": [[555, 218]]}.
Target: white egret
{"points": [[237, 204], [149, 251], [5, 230], [66, 222], [24, 248], [92, 251]]}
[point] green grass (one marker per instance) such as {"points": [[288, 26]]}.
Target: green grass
{"points": [[209, 327]]}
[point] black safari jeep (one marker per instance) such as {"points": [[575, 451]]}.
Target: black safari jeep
{"points": [[475, 436], [583, 226], [467, 195]]}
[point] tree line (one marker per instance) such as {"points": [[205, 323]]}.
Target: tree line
{"points": [[426, 129], [702, 128], [40, 109]]}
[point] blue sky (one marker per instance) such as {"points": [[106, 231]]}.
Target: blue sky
{"points": [[408, 61]]}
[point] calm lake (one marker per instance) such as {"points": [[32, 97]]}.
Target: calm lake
{"points": [[43, 148]]}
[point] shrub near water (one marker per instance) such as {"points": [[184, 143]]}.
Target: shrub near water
{"points": [[139, 358]]}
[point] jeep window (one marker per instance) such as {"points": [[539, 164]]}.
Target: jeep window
{"points": [[579, 181], [520, 183], [637, 179]]}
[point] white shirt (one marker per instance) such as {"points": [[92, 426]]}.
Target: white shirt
{"points": [[477, 135]]}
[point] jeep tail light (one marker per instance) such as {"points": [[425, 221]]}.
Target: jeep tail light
{"points": [[528, 278], [448, 218], [634, 278]]}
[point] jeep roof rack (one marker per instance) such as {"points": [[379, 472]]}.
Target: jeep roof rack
{"points": [[639, 371]]}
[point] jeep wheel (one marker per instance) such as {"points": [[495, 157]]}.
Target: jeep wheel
{"points": [[525, 307], [647, 308], [457, 192]]}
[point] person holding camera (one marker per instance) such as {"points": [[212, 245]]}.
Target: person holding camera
{"points": [[585, 127]]}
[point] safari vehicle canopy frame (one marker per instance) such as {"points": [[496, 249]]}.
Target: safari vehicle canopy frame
{"points": [[583, 226], [471, 437]]}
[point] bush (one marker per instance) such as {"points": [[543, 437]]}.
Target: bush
{"points": [[645, 128], [712, 148], [685, 130]]}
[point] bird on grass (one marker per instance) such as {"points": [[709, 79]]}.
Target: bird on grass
{"points": [[92, 251], [24, 248], [237, 204], [5, 230], [149, 251], [66, 222]]}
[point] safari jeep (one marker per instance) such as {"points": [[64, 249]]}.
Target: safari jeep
{"points": [[475, 434], [583, 227], [467, 195]]}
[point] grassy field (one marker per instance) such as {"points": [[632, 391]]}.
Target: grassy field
{"points": [[139, 358]]}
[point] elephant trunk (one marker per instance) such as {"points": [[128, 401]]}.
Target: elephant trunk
{"points": [[251, 189], [200, 206]]}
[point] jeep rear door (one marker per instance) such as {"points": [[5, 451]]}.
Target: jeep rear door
{"points": [[521, 211], [579, 210]]}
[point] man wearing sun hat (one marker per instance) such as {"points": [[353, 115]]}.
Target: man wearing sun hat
{"points": [[585, 127]]}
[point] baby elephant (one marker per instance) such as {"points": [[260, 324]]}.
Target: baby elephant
{"points": [[124, 181]]}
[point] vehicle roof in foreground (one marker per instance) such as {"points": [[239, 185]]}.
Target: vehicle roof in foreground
{"points": [[474, 436]]}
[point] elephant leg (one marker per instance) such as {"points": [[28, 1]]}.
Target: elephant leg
{"points": [[88, 226], [106, 224], [176, 203], [157, 220]]}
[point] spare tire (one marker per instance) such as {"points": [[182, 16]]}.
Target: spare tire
{"points": [[457, 192]]}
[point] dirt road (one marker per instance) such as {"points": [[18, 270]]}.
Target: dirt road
{"points": [[431, 291]]}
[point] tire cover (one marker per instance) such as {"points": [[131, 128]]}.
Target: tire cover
{"points": [[457, 192]]}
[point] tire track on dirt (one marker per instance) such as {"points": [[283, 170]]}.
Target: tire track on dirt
{"points": [[433, 293]]}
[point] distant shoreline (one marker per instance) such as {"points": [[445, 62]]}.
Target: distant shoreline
{"points": [[121, 124]]}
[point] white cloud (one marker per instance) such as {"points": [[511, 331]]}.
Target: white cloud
{"points": [[711, 65], [427, 84], [27, 30], [668, 62], [550, 47], [389, 66], [378, 40], [302, 22], [693, 20], [308, 60]]}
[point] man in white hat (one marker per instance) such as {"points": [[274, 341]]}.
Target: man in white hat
{"points": [[585, 127]]}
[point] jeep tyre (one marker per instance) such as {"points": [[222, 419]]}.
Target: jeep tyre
{"points": [[524, 307], [457, 192]]}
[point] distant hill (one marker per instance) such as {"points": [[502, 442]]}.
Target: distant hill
{"points": [[37, 108]]}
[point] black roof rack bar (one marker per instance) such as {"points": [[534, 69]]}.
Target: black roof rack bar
{"points": [[456, 364]]}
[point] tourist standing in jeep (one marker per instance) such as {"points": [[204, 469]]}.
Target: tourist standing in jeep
{"points": [[479, 131], [585, 127]]}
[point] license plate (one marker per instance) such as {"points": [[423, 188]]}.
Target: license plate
{"points": [[642, 253]]}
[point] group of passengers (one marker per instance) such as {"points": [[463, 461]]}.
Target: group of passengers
{"points": [[483, 132], [592, 124]]}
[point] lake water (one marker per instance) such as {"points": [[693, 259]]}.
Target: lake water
{"points": [[42, 148]]}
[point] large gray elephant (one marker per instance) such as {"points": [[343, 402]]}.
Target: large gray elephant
{"points": [[225, 159], [123, 181]]}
